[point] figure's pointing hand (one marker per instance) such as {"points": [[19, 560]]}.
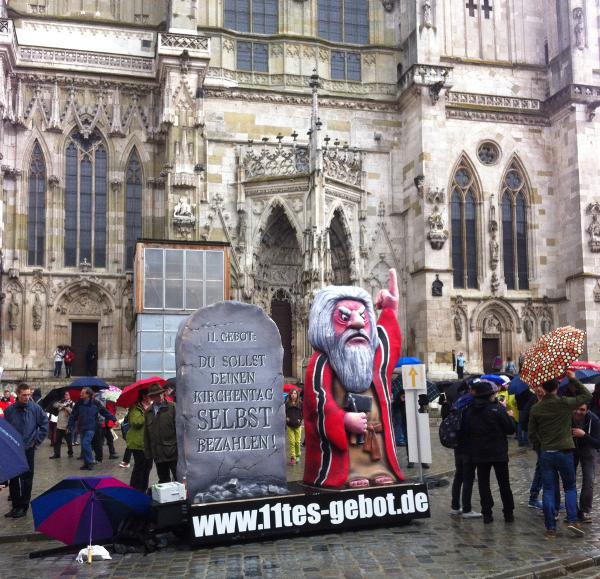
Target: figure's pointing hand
{"points": [[389, 298]]}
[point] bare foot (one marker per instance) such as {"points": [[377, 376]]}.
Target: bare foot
{"points": [[382, 480], [358, 483]]}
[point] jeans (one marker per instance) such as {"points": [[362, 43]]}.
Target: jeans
{"points": [[60, 434], [484, 470], [141, 471], [57, 369], [86, 446], [164, 470], [398, 423], [563, 464], [463, 479], [588, 474], [20, 487], [127, 456], [522, 433]]}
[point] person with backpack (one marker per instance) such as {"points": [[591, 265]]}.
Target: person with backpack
{"points": [[486, 425], [452, 436]]}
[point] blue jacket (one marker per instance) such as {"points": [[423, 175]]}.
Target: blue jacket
{"points": [[86, 412], [30, 421]]}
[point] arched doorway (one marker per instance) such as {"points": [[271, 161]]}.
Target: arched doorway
{"points": [[340, 252], [491, 346], [277, 282]]}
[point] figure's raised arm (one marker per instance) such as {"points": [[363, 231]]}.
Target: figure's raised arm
{"points": [[389, 298]]}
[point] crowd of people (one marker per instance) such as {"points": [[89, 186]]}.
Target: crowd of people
{"points": [[148, 428], [563, 429]]}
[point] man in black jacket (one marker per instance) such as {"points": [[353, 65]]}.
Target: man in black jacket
{"points": [[486, 425], [586, 434]]}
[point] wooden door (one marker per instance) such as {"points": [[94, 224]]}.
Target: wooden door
{"points": [[281, 313], [82, 335], [491, 349]]}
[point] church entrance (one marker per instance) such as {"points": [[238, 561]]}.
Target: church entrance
{"points": [[281, 313], [82, 335], [490, 349]]}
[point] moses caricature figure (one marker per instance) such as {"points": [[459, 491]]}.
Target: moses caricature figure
{"points": [[347, 392]]}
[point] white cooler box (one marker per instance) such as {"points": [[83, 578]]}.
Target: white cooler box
{"points": [[168, 492]]}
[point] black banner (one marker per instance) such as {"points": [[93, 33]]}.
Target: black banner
{"points": [[306, 511]]}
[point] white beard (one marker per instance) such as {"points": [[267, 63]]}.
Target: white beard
{"points": [[353, 365]]}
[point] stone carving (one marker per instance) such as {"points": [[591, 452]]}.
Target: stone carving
{"points": [[275, 161], [187, 41], [437, 233], [528, 328], [13, 314], [546, 325], [495, 283], [36, 313], [579, 20], [437, 287], [597, 292], [230, 410], [85, 266], [343, 164], [494, 253], [593, 229], [388, 5], [458, 328], [427, 14], [128, 315], [491, 325], [420, 184], [183, 217]]}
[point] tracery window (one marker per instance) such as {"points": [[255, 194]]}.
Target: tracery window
{"points": [[258, 16], [133, 206], [36, 217], [514, 229], [85, 200], [344, 20], [463, 214], [253, 56]]}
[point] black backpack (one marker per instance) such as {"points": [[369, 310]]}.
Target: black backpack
{"points": [[450, 429]]}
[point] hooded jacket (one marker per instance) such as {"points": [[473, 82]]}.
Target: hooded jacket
{"points": [[484, 430]]}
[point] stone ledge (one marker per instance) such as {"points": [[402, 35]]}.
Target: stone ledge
{"points": [[558, 568]]}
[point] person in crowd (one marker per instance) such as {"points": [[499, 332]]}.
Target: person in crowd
{"points": [[59, 354], [68, 360], [595, 403], [64, 409], [31, 423], [497, 364], [6, 399], [460, 365], [91, 359], [398, 409], [86, 414], [510, 403], [293, 419], [510, 367], [586, 434], [135, 442], [454, 360], [128, 453], [464, 475], [525, 400], [550, 431], [160, 441], [486, 426]]}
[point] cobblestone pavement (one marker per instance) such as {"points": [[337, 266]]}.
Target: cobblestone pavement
{"points": [[442, 546]]}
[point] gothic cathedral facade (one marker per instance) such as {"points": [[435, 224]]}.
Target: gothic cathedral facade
{"points": [[325, 141]]}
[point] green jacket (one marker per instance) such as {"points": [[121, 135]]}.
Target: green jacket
{"points": [[135, 434], [550, 419], [160, 440]]}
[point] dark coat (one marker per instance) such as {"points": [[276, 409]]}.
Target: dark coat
{"points": [[293, 416], [485, 427], [86, 414], [30, 421], [591, 441], [160, 437]]}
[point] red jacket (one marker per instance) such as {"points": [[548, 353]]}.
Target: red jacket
{"points": [[326, 462]]}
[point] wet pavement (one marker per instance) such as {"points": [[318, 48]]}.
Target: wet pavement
{"points": [[442, 546]]}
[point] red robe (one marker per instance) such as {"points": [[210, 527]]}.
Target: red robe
{"points": [[327, 463]]}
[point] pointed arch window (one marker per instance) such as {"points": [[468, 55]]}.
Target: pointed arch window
{"points": [[133, 206], [463, 215], [86, 186], [36, 217], [514, 229]]}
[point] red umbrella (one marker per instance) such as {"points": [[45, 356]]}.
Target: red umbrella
{"points": [[130, 393], [287, 388], [580, 365]]}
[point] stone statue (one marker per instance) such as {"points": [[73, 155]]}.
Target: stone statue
{"points": [[13, 314], [528, 328], [183, 209], [579, 28], [437, 234], [427, 14], [546, 325], [458, 329], [437, 286], [36, 313], [494, 253], [491, 325], [594, 233], [128, 314]]}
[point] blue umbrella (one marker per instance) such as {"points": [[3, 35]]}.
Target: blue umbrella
{"points": [[89, 382], [517, 386], [407, 361], [581, 375], [12, 455], [496, 379]]}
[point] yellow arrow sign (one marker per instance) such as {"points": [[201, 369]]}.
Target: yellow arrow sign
{"points": [[413, 375]]}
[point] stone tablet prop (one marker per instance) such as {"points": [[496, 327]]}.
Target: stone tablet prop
{"points": [[230, 408]]}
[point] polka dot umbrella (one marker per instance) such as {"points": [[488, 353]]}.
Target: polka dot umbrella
{"points": [[552, 355]]}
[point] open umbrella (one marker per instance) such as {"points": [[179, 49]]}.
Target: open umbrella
{"points": [[74, 389], [407, 362], [89, 382], [12, 455], [287, 388], [112, 394], [498, 379], [517, 386], [581, 365], [130, 393], [552, 355], [80, 511]]}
